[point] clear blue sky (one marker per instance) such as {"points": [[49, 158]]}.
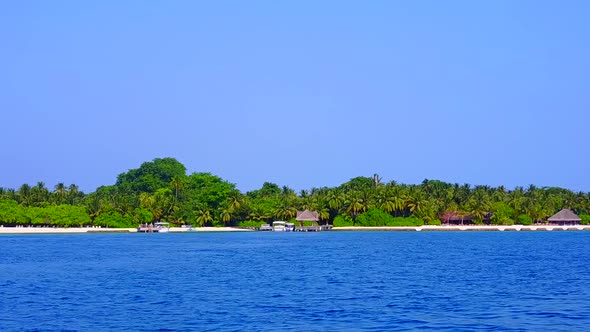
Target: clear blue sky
{"points": [[300, 93]]}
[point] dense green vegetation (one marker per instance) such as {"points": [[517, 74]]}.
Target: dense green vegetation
{"points": [[161, 190]]}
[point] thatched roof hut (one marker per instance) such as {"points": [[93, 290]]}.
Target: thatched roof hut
{"points": [[307, 216], [460, 218], [565, 216]]}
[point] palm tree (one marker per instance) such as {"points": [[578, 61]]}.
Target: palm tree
{"points": [[203, 217], [303, 193], [24, 194], [376, 180], [386, 201], [10, 193], [149, 203], [225, 215], [39, 193], [323, 214], [334, 200], [286, 191], [415, 200], [516, 199], [285, 211], [73, 194], [176, 216], [177, 183], [462, 193], [355, 204], [60, 193], [235, 201], [397, 196], [94, 205], [479, 204], [308, 202], [163, 203], [582, 203], [500, 194], [146, 200], [427, 211], [570, 200]]}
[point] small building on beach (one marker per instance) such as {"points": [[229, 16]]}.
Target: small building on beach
{"points": [[307, 216], [461, 218], [565, 217]]}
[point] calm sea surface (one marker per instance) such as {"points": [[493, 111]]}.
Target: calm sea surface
{"points": [[328, 281]]}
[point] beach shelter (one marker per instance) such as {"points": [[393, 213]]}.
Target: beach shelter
{"points": [[307, 216], [565, 216]]}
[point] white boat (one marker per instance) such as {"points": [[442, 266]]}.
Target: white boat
{"points": [[162, 227], [290, 227], [265, 227], [158, 227], [278, 226]]}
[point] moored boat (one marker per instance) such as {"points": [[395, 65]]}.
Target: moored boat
{"points": [[278, 226], [158, 227]]}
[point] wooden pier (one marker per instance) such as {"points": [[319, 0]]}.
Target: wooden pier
{"points": [[146, 229]]}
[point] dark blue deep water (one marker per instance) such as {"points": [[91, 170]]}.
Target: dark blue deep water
{"points": [[329, 281]]}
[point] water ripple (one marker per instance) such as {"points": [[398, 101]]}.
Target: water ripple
{"points": [[296, 282]]}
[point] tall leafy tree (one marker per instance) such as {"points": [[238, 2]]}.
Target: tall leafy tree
{"points": [[151, 176], [177, 183]]}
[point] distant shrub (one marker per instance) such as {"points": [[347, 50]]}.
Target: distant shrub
{"points": [[523, 219], [373, 217], [141, 216], [250, 224], [343, 221], [11, 213], [65, 215], [36, 216], [407, 222], [585, 219], [502, 214], [435, 222], [377, 217], [114, 219]]}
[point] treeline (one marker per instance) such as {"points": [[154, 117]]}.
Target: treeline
{"points": [[161, 190]]}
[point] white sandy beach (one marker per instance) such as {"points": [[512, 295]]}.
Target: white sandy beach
{"points": [[77, 230], [470, 228]]}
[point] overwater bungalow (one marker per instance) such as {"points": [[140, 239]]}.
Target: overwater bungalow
{"points": [[565, 217]]}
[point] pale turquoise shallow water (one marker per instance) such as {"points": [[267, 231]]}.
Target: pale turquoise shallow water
{"points": [[328, 281]]}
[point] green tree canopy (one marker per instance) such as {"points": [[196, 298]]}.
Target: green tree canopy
{"points": [[151, 176]]}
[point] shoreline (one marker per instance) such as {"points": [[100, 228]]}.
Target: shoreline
{"points": [[455, 228], [91, 230], [473, 228]]}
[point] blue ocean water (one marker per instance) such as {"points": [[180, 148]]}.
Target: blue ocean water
{"points": [[327, 281]]}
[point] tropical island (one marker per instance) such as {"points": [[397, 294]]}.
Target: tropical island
{"points": [[161, 190]]}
